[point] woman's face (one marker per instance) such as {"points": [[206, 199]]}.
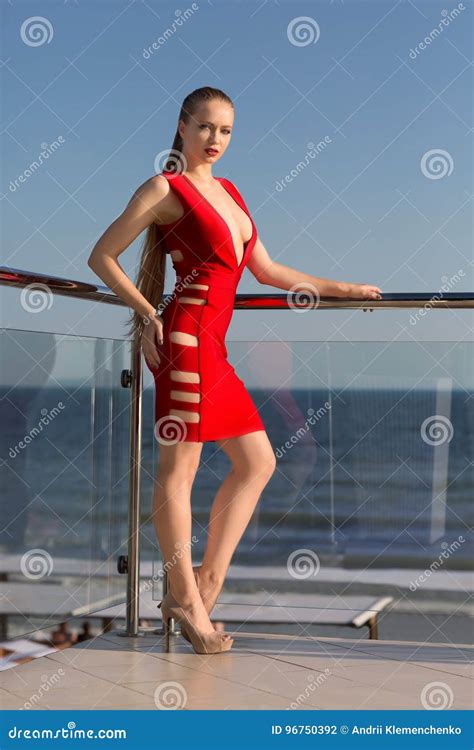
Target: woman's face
{"points": [[209, 127]]}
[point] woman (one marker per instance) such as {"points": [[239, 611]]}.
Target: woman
{"points": [[204, 224]]}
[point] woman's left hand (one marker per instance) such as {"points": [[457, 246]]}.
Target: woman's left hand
{"points": [[365, 291]]}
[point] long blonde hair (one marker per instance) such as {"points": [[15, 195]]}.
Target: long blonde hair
{"points": [[150, 279]]}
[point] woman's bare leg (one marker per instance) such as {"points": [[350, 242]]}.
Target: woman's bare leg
{"points": [[253, 463], [172, 519]]}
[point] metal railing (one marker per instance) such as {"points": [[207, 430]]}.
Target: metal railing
{"points": [[15, 277], [133, 378]]}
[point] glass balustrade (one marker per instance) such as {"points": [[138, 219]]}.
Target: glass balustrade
{"points": [[369, 508], [371, 499], [64, 477]]}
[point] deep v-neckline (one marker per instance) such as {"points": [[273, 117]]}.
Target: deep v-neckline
{"points": [[219, 216]]}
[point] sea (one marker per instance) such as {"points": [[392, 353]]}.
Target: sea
{"points": [[373, 478]]}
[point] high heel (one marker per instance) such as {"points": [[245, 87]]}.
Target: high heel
{"points": [[165, 627], [202, 643], [184, 632], [196, 572], [183, 629]]}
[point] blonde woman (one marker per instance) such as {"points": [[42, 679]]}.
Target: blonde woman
{"points": [[203, 223]]}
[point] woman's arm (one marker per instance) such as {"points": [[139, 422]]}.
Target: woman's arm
{"points": [[142, 209], [140, 212], [268, 271]]}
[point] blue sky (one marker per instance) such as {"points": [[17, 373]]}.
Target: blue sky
{"points": [[388, 200]]}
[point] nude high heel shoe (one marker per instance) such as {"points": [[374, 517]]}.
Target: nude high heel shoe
{"points": [[196, 571], [202, 643]]}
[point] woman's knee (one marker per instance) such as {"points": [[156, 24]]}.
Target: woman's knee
{"points": [[270, 464], [258, 462], [259, 472]]}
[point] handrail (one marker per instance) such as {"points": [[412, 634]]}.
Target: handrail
{"points": [[15, 277]]}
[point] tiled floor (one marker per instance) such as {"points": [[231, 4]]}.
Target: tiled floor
{"points": [[261, 671]]}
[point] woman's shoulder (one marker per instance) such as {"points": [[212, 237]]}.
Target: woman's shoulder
{"points": [[155, 187], [230, 185], [152, 195], [226, 181], [232, 188]]}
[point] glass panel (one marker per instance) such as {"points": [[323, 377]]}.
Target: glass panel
{"points": [[64, 478], [371, 502]]}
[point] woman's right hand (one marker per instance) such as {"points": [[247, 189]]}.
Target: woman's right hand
{"points": [[152, 337]]}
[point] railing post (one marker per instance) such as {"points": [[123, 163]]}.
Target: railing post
{"points": [[133, 567]]}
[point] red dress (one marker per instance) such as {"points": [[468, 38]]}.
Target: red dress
{"points": [[198, 395]]}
